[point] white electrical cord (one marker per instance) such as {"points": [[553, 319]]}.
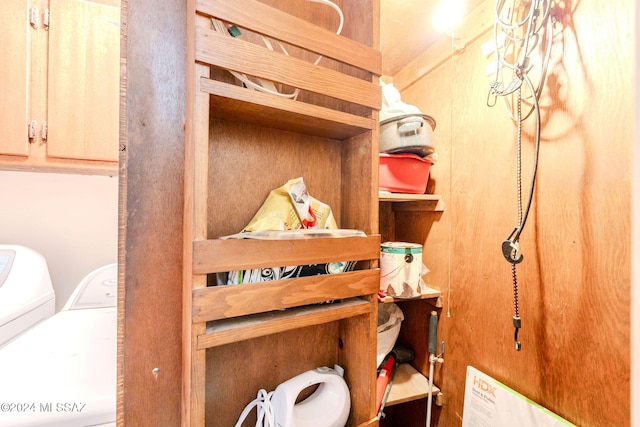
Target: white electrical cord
{"points": [[265, 85], [521, 38], [264, 408]]}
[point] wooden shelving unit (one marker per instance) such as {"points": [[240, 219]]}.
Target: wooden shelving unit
{"points": [[242, 144], [409, 384]]}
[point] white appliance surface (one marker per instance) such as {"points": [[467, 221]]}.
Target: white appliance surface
{"points": [[26, 292], [98, 289], [62, 372]]}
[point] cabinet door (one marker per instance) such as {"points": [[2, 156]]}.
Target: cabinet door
{"points": [[14, 60], [83, 79]]}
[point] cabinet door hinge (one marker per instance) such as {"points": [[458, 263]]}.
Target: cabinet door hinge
{"points": [[33, 17], [45, 19], [44, 131], [31, 131]]}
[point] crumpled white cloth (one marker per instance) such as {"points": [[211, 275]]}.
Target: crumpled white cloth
{"points": [[392, 105]]}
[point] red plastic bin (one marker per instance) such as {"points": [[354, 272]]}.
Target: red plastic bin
{"points": [[404, 173]]}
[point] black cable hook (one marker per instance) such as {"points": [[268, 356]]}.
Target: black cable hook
{"points": [[510, 249]]}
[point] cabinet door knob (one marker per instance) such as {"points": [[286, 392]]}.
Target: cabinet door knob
{"points": [[31, 131], [33, 17], [44, 131], [45, 19]]}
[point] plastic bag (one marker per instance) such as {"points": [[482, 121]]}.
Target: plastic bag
{"points": [[392, 104], [389, 319], [291, 207]]}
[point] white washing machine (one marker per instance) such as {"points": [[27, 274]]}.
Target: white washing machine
{"points": [[62, 372], [26, 293]]}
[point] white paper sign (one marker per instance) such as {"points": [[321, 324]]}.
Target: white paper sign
{"points": [[489, 403]]}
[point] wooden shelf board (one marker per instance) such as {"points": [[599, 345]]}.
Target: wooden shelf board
{"points": [[428, 294], [220, 302], [236, 103], [243, 328], [408, 385], [413, 202], [216, 255], [385, 196]]}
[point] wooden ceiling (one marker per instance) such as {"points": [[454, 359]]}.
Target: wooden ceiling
{"points": [[407, 29]]}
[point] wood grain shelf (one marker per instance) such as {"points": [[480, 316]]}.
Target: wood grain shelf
{"points": [[413, 202], [408, 385], [430, 293]]}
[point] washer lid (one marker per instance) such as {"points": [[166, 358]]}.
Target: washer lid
{"points": [[25, 283], [98, 289]]}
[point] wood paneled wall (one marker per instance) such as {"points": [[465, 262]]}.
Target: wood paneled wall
{"points": [[575, 277]]}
